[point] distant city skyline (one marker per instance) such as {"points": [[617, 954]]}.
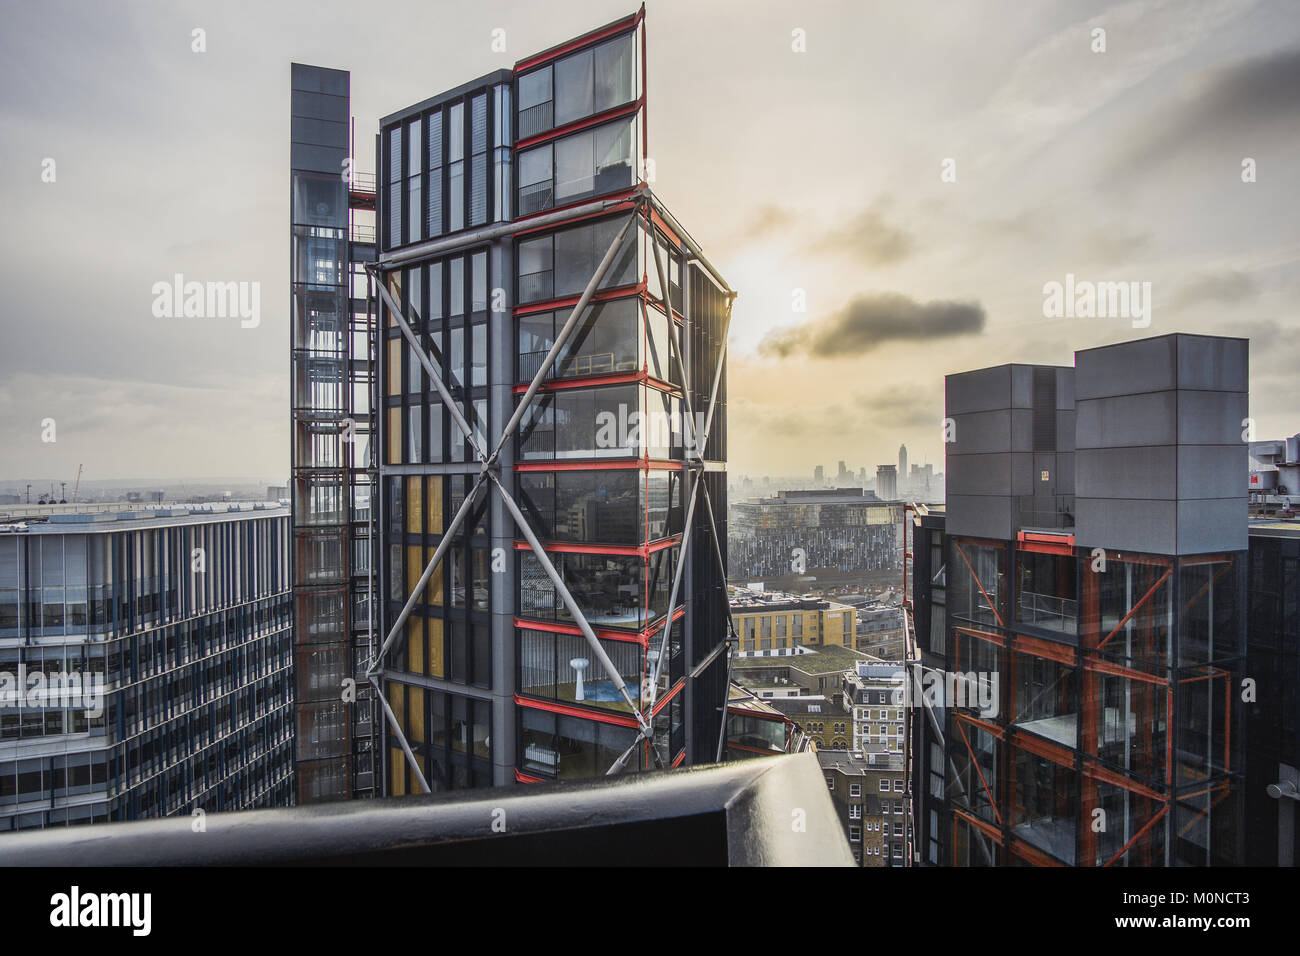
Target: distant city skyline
{"points": [[891, 196]]}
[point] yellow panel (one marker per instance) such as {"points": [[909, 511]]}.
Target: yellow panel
{"points": [[394, 437], [416, 734], [414, 505], [397, 781], [434, 515], [414, 567], [395, 288], [415, 644], [434, 626], [394, 367]]}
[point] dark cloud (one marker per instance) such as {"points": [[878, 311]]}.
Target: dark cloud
{"points": [[872, 320], [868, 238], [1228, 108]]}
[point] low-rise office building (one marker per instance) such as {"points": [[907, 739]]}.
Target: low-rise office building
{"points": [[146, 664]]}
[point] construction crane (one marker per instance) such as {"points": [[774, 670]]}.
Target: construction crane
{"points": [[77, 486]]}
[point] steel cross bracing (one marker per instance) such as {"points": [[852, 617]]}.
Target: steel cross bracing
{"points": [[489, 474]]}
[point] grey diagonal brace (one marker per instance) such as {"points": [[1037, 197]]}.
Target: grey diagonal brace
{"points": [[697, 442], [454, 526], [570, 324], [395, 311], [695, 488], [376, 667], [401, 737], [569, 603]]}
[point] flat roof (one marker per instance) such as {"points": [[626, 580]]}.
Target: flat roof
{"points": [[858, 762], [105, 521], [1273, 528], [818, 660], [487, 79]]}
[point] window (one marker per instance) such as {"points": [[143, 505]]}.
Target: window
{"points": [[855, 790], [456, 167], [830, 783], [562, 263], [855, 834], [884, 786], [560, 667], [578, 166], [606, 340], [898, 786], [395, 187], [536, 108], [586, 506], [433, 202], [615, 591], [855, 812]]}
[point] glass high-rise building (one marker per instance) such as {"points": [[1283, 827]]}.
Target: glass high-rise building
{"points": [[503, 204]]}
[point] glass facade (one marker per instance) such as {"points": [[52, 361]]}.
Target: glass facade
{"points": [[1096, 727], [596, 465], [180, 637]]}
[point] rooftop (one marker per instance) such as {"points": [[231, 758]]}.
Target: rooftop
{"points": [[117, 516], [822, 660], [856, 762]]}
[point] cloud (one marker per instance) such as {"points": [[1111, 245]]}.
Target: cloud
{"points": [[1225, 287], [903, 407], [767, 219], [872, 320], [868, 238], [1227, 108]]}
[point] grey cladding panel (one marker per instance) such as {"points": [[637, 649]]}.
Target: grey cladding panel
{"points": [[982, 390], [1213, 525], [1022, 386], [978, 474], [1213, 363], [319, 132], [980, 432], [1065, 430], [319, 79], [1125, 525], [1211, 418], [319, 159], [1128, 420], [1146, 365], [978, 516], [1142, 472], [1065, 389], [1211, 471], [320, 106], [1024, 479]]}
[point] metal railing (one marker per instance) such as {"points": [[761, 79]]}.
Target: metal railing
{"points": [[1047, 611]]}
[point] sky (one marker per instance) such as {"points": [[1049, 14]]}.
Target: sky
{"points": [[888, 185]]}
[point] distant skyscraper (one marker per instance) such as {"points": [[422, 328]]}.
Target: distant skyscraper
{"points": [[902, 466], [886, 482], [819, 474]]}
